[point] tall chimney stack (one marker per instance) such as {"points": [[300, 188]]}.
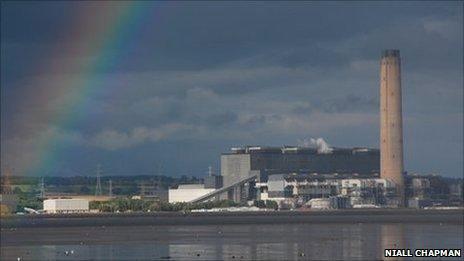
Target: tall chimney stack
{"points": [[391, 121]]}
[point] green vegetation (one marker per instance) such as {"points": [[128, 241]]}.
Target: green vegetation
{"points": [[29, 202], [270, 204], [27, 196], [143, 205], [140, 205]]}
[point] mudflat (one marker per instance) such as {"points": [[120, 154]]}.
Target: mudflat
{"points": [[216, 218]]}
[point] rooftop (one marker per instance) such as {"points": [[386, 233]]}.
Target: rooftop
{"points": [[296, 149], [191, 186]]}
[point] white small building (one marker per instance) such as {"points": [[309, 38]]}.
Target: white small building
{"points": [[188, 192], [58, 206], [320, 203]]}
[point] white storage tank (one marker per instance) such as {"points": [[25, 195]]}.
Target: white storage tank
{"points": [[320, 203]]}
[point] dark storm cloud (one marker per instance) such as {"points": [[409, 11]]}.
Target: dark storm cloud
{"points": [[350, 103], [35, 22], [221, 119], [206, 75]]}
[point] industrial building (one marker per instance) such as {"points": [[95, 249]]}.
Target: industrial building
{"points": [[241, 168], [336, 192], [320, 203], [244, 162], [65, 206], [280, 173], [188, 192]]}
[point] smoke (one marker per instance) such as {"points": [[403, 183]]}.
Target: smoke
{"points": [[320, 144]]}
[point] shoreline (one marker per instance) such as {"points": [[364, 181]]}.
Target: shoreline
{"points": [[217, 218]]}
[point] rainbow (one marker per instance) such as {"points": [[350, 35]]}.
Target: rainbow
{"points": [[99, 30]]}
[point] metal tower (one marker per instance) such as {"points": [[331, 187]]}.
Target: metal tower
{"points": [[98, 189], [159, 170], [157, 181], [142, 189], [42, 188], [110, 192]]}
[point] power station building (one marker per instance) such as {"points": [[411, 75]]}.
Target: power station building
{"points": [[246, 170], [242, 163]]}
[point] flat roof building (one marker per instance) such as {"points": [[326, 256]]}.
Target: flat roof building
{"points": [[64, 206], [188, 192], [241, 163]]}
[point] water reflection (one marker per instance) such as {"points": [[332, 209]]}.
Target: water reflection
{"points": [[236, 242], [392, 237]]}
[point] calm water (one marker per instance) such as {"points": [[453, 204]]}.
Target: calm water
{"points": [[231, 242]]}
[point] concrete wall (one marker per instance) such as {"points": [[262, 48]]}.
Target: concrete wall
{"points": [[213, 182], [66, 205], [276, 186], [234, 167]]}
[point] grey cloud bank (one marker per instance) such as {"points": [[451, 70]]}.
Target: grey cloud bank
{"points": [[213, 75]]}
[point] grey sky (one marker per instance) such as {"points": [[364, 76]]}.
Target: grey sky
{"points": [[199, 77]]}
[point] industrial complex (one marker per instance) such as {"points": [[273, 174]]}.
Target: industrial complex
{"points": [[292, 175], [315, 177]]}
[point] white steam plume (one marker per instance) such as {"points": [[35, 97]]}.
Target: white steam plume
{"points": [[322, 146]]}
